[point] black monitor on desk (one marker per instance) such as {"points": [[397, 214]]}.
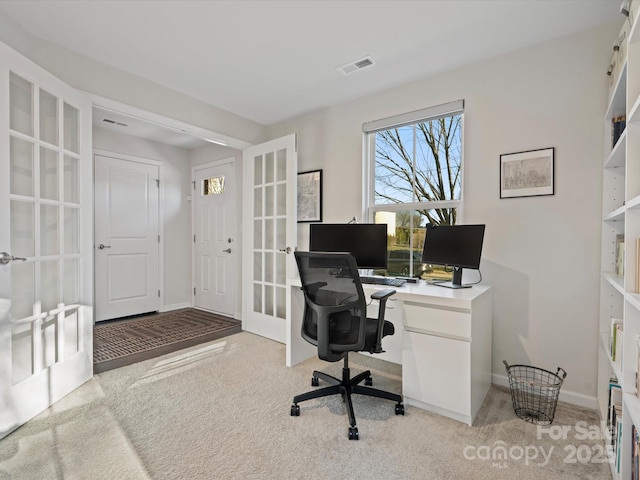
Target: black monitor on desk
{"points": [[456, 246], [367, 242]]}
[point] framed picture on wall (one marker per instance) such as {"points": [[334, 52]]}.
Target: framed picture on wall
{"points": [[527, 174], [310, 196]]}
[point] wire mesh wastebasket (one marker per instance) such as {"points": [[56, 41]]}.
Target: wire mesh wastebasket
{"points": [[534, 392]]}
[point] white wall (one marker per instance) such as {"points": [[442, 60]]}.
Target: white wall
{"points": [[541, 254], [177, 210]]}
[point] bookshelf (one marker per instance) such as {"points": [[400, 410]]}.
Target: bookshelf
{"points": [[620, 260]]}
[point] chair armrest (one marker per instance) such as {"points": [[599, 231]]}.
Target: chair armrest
{"points": [[382, 296]]}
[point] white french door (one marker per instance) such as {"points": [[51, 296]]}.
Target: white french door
{"points": [[127, 237], [214, 226], [269, 234], [46, 346]]}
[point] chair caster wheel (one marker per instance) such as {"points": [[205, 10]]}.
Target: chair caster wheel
{"points": [[368, 381], [315, 382], [353, 433], [399, 409], [295, 410]]}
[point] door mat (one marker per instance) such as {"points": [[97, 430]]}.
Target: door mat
{"points": [[122, 342]]}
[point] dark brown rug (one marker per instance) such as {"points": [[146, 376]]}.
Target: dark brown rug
{"points": [[122, 342]]}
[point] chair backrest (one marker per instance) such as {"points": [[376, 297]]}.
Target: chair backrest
{"points": [[335, 305]]}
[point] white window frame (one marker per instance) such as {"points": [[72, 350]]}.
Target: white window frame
{"points": [[369, 130]]}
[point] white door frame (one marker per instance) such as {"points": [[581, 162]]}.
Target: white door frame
{"points": [[237, 244], [160, 165], [177, 125]]}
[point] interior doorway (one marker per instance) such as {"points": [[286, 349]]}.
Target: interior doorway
{"points": [[131, 121]]}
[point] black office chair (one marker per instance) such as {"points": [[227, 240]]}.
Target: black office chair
{"points": [[335, 320]]}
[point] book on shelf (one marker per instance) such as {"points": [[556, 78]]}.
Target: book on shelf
{"points": [[615, 400], [617, 448], [637, 265], [617, 355], [615, 427], [617, 128], [638, 366], [614, 340], [619, 254]]}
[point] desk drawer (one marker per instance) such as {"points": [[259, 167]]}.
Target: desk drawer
{"points": [[436, 372], [449, 323]]}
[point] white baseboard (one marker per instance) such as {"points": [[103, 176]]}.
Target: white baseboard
{"points": [[573, 398], [175, 306]]}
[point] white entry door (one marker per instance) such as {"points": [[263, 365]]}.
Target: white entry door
{"points": [[269, 234], [126, 237], [215, 249], [46, 347]]}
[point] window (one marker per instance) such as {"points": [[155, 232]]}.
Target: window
{"points": [[414, 166], [213, 186]]}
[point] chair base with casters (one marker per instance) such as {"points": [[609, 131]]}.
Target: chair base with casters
{"points": [[346, 387]]}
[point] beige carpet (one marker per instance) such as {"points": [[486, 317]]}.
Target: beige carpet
{"points": [[221, 411]]}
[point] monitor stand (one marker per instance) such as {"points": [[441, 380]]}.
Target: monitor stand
{"points": [[456, 281]]}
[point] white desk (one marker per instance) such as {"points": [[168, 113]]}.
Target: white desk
{"points": [[442, 340]]}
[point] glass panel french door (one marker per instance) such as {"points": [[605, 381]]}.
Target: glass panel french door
{"points": [[45, 206], [270, 233]]}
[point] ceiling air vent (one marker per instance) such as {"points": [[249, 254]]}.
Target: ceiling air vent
{"points": [[356, 65], [113, 122]]}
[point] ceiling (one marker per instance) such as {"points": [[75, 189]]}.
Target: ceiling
{"points": [[270, 60]]}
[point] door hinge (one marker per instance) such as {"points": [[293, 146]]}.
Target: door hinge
{"points": [[158, 293], [194, 238], [194, 291], [194, 184], [158, 182], [158, 238]]}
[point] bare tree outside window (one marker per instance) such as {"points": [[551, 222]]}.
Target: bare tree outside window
{"points": [[416, 169], [420, 163]]}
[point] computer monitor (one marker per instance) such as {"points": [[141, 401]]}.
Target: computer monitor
{"points": [[456, 246], [367, 242]]}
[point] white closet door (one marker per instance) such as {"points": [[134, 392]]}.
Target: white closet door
{"points": [[127, 237]]}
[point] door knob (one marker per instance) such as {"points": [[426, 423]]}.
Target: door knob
{"points": [[6, 258], [285, 250], [103, 246], [228, 250]]}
